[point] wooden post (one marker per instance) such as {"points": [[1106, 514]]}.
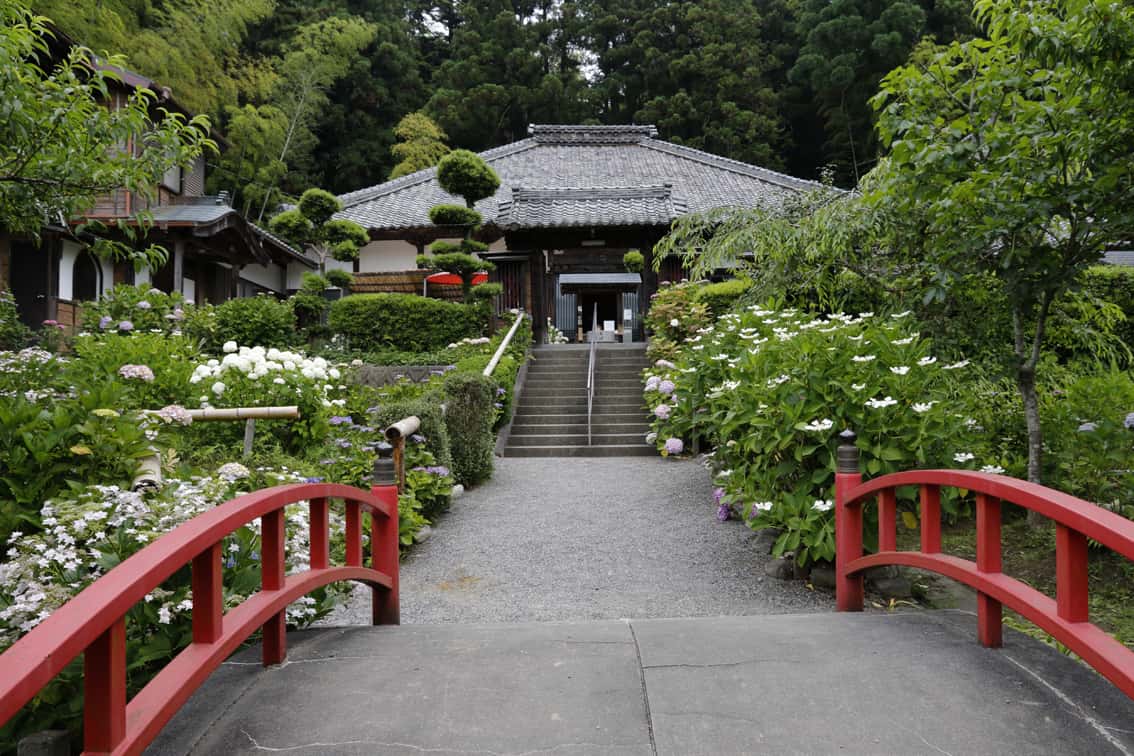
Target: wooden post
{"points": [[384, 539], [849, 592], [104, 685], [249, 435], [990, 613]]}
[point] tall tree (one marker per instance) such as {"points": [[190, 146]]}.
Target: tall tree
{"points": [[498, 78], [1014, 156], [318, 55], [847, 47], [421, 144], [702, 72], [191, 46]]}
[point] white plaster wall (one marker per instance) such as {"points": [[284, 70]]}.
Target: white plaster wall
{"points": [[271, 276], [142, 277], [387, 255], [396, 255], [295, 273], [67, 268], [107, 276]]}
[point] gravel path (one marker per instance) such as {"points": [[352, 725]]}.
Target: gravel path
{"points": [[578, 539]]}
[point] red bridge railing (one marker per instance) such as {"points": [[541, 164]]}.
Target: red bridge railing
{"points": [[94, 622], [1065, 617]]}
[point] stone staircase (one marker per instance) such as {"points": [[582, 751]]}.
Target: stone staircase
{"points": [[551, 417]]}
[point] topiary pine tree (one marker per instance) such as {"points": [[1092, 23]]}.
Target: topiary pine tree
{"points": [[466, 175], [311, 225]]}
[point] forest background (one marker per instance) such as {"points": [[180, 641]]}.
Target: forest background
{"points": [[309, 92]]}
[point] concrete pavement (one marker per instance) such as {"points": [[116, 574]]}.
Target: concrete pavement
{"points": [[904, 683]]}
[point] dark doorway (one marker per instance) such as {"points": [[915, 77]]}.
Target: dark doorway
{"points": [[85, 277], [29, 279], [607, 302]]}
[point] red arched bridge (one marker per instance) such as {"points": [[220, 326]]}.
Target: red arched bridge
{"points": [[818, 683]]}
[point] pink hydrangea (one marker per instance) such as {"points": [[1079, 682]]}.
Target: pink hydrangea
{"points": [[662, 411], [674, 446], [666, 387], [175, 413], [140, 372]]}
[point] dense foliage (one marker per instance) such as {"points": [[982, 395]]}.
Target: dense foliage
{"points": [[342, 94]]}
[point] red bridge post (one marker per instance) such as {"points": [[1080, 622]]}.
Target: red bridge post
{"points": [[848, 526], [384, 539]]}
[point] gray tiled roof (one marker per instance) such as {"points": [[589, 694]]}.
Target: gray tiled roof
{"points": [[1119, 257], [583, 175], [195, 213], [605, 206]]}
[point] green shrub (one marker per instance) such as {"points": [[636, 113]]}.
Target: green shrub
{"points": [[674, 317], [255, 321], [404, 322], [13, 333], [722, 297], [469, 416], [465, 174], [1115, 284], [340, 278], [454, 215], [1088, 424], [633, 261], [171, 360], [426, 408]]}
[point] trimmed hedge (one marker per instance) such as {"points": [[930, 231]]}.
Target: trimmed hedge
{"points": [[402, 322], [720, 297], [469, 415]]}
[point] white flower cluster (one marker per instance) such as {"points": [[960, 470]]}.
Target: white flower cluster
{"points": [[470, 341], [258, 362]]}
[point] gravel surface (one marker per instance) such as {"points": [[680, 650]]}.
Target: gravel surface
{"points": [[579, 539]]}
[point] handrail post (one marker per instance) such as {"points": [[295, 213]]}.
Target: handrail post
{"points": [[990, 613], [848, 526], [273, 537], [384, 540], [591, 371], [104, 686], [1071, 584]]}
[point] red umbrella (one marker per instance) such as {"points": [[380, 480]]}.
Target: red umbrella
{"points": [[452, 279]]}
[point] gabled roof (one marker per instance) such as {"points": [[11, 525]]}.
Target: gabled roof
{"points": [[583, 176]]}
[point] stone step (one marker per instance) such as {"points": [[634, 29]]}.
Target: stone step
{"points": [[579, 405], [550, 417], [635, 450], [538, 398], [638, 429], [612, 389], [573, 382], [576, 439]]}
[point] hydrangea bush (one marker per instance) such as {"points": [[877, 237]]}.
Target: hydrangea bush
{"points": [[259, 377], [88, 535], [771, 389]]}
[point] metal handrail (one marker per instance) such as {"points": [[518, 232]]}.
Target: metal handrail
{"points": [[591, 371], [503, 346]]}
